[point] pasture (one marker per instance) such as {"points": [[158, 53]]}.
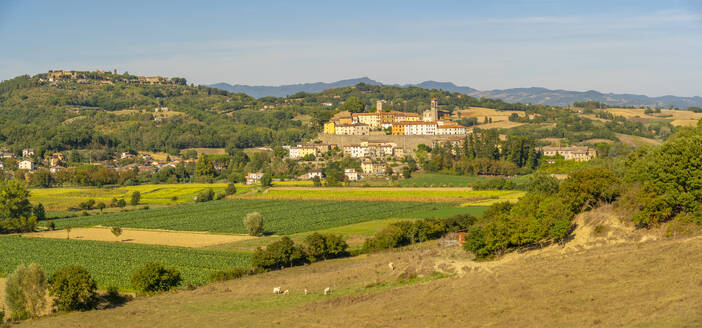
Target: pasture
{"points": [[113, 263], [225, 216], [678, 117], [431, 195]]}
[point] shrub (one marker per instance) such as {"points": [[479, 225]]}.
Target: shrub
{"points": [[221, 195], [277, 255], [582, 190], [254, 224], [25, 291], [408, 232], [324, 246], [543, 183], [73, 289], [39, 212], [135, 198], [121, 203], [154, 278], [229, 274], [206, 195], [266, 180], [231, 189]]}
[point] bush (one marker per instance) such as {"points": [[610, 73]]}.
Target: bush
{"points": [[495, 184], [206, 195], [121, 203], [543, 183], [277, 255], [254, 224], [408, 232], [154, 278], [221, 195], [229, 274], [266, 180], [324, 246], [73, 289], [87, 205], [584, 189], [25, 291], [231, 189], [39, 212], [135, 198]]}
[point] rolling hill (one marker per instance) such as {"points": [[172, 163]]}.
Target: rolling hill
{"points": [[533, 95]]}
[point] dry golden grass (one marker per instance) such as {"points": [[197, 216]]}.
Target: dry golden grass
{"points": [[208, 151], [679, 117], [636, 141], [149, 237], [2, 295], [601, 279], [481, 112]]}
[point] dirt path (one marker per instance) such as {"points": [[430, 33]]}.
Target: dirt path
{"points": [[151, 237], [2, 295]]}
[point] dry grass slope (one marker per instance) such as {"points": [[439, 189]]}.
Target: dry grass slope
{"points": [[618, 283]]}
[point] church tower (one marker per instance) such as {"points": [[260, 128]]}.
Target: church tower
{"points": [[434, 109]]}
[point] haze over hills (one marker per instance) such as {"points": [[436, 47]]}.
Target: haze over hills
{"points": [[532, 95]]}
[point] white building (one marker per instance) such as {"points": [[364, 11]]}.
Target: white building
{"points": [[315, 173], [450, 129], [253, 177], [420, 128], [27, 152], [351, 174], [26, 165], [356, 151], [570, 153]]}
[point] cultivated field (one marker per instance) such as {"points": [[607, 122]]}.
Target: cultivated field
{"points": [[636, 141], [148, 237], [225, 216], [434, 195], [678, 117], [112, 263], [445, 180], [480, 113], [649, 284], [64, 198]]}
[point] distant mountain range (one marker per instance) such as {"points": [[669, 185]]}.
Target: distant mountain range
{"points": [[522, 95]]}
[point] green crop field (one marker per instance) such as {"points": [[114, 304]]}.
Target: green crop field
{"points": [[64, 198], [448, 195], [225, 216], [113, 263]]}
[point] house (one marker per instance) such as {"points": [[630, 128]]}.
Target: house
{"points": [[329, 128], [126, 155], [26, 165], [351, 174], [315, 173], [370, 119], [356, 151], [59, 156], [253, 177], [420, 128], [27, 152], [398, 128], [54, 161], [358, 129], [450, 129], [55, 169], [371, 168], [570, 153]]}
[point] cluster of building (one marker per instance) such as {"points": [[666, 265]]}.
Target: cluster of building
{"points": [[431, 122], [102, 76], [577, 153]]}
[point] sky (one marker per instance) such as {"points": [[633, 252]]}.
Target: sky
{"points": [[641, 47]]}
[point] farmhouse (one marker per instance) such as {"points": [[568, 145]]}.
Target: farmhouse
{"points": [[27, 152], [315, 173], [570, 153], [253, 177], [351, 174]]}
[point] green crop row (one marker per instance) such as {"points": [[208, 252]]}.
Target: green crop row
{"points": [[113, 263], [225, 216]]}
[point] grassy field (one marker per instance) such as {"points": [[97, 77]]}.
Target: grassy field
{"points": [[650, 284], [64, 198], [445, 180], [225, 216], [445, 195], [112, 263]]}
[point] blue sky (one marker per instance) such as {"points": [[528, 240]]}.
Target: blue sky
{"points": [[643, 47]]}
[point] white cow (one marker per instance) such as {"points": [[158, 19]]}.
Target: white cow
{"points": [[392, 266], [276, 290], [286, 292], [306, 292], [327, 291]]}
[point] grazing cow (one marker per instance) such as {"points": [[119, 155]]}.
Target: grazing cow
{"points": [[306, 292], [327, 291], [276, 290], [392, 266], [286, 292]]}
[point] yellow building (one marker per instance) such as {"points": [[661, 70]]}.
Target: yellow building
{"points": [[345, 120], [329, 128], [398, 128]]}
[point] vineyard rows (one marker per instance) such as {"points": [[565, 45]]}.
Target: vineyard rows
{"points": [[113, 263], [225, 216]]}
